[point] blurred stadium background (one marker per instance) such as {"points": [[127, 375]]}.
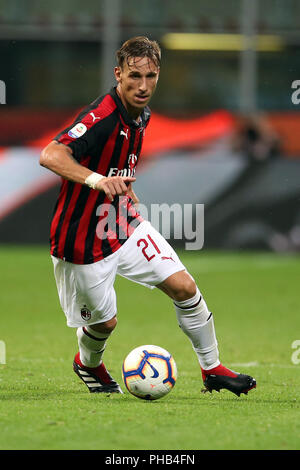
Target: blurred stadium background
{"points": [[225, 129]]}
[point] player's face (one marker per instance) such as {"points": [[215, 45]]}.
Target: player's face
{"points": [[137, 81]]}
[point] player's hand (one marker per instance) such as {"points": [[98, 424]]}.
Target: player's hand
{"points": [[115, 185], [133, 196]]}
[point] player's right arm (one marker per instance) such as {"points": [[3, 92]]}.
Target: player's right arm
{"points": [[58, 158]]}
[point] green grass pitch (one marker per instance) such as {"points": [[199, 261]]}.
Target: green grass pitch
{"points": [[255, 301]]}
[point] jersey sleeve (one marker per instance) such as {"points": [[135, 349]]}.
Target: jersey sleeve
{"points": [[81, 136]]}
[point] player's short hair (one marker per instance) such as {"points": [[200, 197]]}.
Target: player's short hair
{"points": [[139, 46]]}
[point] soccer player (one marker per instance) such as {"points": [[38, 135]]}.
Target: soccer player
{"points": [[97, 232]]}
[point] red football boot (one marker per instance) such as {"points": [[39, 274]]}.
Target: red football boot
{"points": [[97, 379], [221, 377]]}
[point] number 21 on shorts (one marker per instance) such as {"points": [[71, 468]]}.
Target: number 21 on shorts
{"points": [[142, 242]]}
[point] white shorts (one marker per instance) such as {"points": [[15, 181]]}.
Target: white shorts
{"points": [[86, 291]]}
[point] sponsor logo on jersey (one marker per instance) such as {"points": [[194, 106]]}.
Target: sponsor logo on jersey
{"points": [[122, 132], [78, 130], [123, 172], [94, 117], [132, 161]]}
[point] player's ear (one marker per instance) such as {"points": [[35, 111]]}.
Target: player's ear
{"points": [[158, 72], [117, 72]]}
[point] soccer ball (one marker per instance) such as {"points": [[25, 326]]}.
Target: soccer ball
{"points": [[149, 372]]}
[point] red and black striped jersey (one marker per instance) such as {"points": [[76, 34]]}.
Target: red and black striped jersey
{"points": [[86, 227]]}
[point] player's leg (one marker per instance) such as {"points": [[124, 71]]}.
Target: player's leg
{"points": [[197, 322], [193, 316], [92, 341], [156, 264], [89, 301], [88, 364]]}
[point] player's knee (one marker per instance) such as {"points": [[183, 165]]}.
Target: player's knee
{"points": [[186, 290], [105, 327]]}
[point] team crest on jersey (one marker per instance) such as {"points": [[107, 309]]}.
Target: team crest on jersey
{"points": [[85, 313], [132, 159], [78, 130]]}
